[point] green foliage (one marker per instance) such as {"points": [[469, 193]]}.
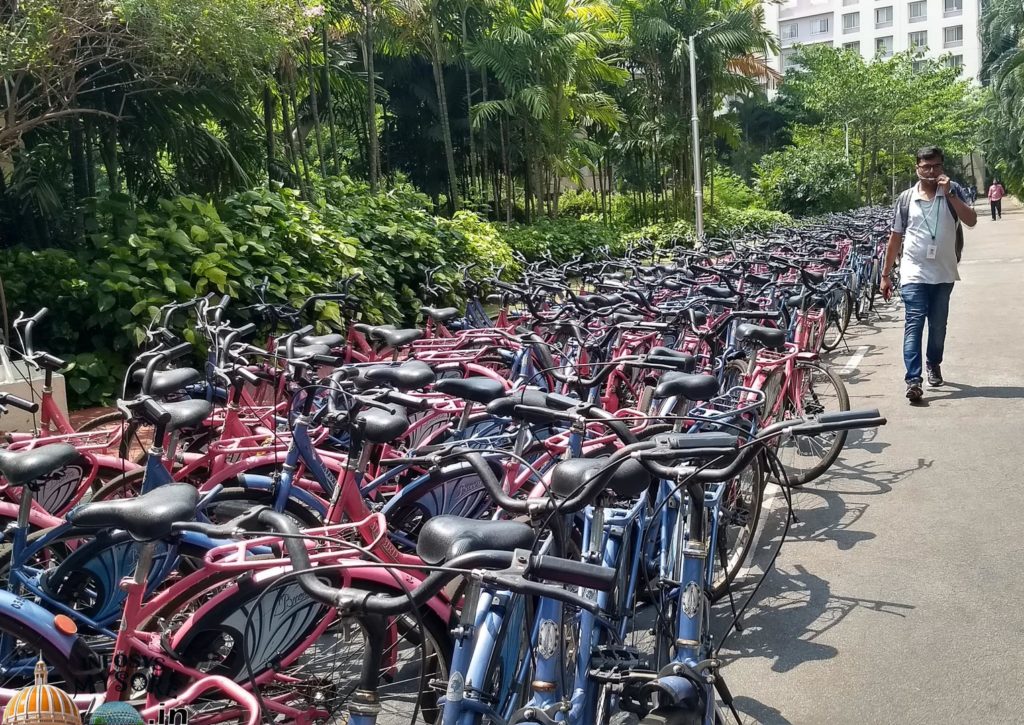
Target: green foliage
{"points": [[578, 203], [1002, 119], [103, 295], [562, 239], [806, 180], [726, 220], [667, 234], [731, 191]]}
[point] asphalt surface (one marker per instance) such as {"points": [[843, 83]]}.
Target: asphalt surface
{"points": [[898, 596]]}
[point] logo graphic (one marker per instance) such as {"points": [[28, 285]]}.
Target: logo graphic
{"points": [[41, 704]]}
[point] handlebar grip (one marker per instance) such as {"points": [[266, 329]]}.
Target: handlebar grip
{"points": [[179, 350], [848, 415], [156, 412], [248, 376], [331, 360], [535, 589], [20, 403], [303, 331], [573, 573], [406, 401]]}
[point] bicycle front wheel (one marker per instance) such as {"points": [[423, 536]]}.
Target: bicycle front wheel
{"points": [[816, 389], [837, 318]]}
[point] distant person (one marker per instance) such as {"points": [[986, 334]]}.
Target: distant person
{"points": [[996, 192], [974, 193], [925, 225]]}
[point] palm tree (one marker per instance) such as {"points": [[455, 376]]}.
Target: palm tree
{"points": [[548, 57]]}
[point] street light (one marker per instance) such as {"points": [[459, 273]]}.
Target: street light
{"points": [[847, 123], [698, 177]]}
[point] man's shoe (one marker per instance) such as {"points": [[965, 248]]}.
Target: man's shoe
{"points": [[934, 376], [914, 392]]}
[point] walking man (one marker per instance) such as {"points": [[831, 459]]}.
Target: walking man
{"points": [[926, 226], [996, 192]]}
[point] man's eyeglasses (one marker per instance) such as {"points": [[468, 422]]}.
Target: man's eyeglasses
{"points": [[929, 167]]}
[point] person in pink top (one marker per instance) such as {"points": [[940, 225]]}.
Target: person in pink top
{"points": [[996, 192]]}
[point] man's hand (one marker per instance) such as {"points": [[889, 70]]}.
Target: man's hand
{"points": [[885, 287], [944, 184]]}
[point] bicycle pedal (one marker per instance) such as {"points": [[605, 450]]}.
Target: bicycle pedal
{"points": [[609, 664]]}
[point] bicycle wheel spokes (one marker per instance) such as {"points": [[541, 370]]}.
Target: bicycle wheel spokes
{"points": [[817, 390]]}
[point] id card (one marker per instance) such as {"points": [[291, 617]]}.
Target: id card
{"points": [[931, 251]]}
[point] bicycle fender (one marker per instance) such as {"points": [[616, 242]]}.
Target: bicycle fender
{"points": [[35, 618], [677, 691], [266, 483]]}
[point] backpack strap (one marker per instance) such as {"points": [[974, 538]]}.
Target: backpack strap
{"points": [[904, 206]]}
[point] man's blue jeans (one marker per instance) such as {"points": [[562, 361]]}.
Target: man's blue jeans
{"points": [[924, 302]]}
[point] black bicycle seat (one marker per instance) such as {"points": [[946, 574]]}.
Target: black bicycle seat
{"points": [[445, 537], [146, 518], [479, 390], [20, 467], [685, 385]]}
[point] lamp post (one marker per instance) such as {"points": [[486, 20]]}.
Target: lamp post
{"points": [[847, 124], [698, 178]]}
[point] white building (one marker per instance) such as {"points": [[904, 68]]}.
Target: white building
{"points": [[939, 27]]}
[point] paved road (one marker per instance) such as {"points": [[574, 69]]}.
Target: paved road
{"points": [[898, 597]]}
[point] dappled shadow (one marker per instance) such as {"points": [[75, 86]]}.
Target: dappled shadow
{"points": [[792, 611]]}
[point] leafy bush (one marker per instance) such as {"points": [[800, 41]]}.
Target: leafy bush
{"points": [[562, 239], [666, 234], [104, 294], [805, 180], [731, 191], [577, 203], [726, 220]]}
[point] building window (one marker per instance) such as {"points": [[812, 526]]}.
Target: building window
{"points": [[790, 31], [787, 60], [918, 11], [851, 22], [849, 2], [883, 17], [854, 46], [955, 61], [920, 66], [819, 25], [952, 7], [883, 46], [953, 37], [917, 40]]}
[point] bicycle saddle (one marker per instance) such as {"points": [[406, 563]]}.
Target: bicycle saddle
{"points": [[187, 413], [382, 426], [20, 467], [770, 337], [407, 376], [396, 338], [332, 340], [146, 518], [445, 537], [686, 385], [165, 382], [620, 317], [440, 314], [301, 351], [479, 390], [367, 330], [721, 293], [799, 300], [568, 476], [677, 360], [505, 407]]}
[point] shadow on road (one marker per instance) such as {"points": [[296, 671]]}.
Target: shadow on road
{"points": [[757, 713], [793, 609], [960, 391]]}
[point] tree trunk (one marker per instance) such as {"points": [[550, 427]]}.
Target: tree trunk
{"points": [[442, 103], [298, 141], [863, 159], [371, 92], [79, 176], [329, 100], [469, 97], [268, 129], [314, 108], [484, 147], [508, 172], [90, 167], [110, 163], [291, 152]]}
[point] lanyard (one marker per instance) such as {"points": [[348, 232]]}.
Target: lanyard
{"points": [[932, 229]]}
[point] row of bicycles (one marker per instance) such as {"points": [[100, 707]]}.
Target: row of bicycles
{"points": [[523, 511]]}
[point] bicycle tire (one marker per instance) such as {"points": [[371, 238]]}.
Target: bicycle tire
{"points": [[737, 557], [838, 319], [800, 476], [71, 675], [101, 421]]}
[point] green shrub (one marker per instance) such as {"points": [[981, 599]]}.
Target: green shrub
{"points": [[725, 220], [578, 203], [731, 191], [806, 180], [666, 234], [562, 239]]}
